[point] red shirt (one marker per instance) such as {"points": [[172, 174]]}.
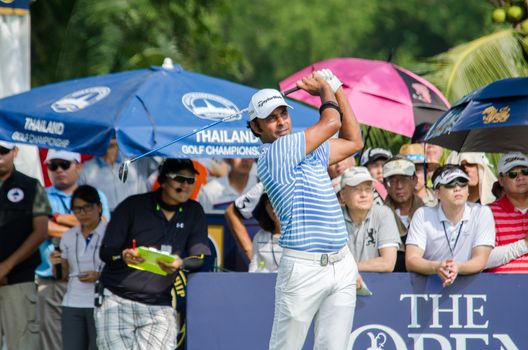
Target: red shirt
{"points": [[511, 225]]}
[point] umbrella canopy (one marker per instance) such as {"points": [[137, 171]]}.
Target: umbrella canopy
{"points": [[491, 119], [381, 94], [143, 109]]}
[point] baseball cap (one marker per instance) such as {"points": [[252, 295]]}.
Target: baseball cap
{"points": [[7, 145], [64, 155], [398, 166], [510, 160], [264, 102], [373, 154], [449, 175], [415, 153], [355, 176]]}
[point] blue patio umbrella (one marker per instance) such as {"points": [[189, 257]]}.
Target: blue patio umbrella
{"points": [[491, 119], [143, 109]]}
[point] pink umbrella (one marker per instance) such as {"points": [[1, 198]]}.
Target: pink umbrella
{"points": [[381, 94]]}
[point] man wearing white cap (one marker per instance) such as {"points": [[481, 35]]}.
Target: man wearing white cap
{"points": [[510, 212], [373, 236], [63, 169], [24, 211], [455, 237], [317, 274]]}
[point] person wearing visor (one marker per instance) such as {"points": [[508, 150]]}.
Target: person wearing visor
{"points": [[317, 274], [510, 254], [454, 237], [136, 311]]}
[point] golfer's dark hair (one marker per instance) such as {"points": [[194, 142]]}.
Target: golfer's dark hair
{"points": [[88, 194], [443, 168], [249, 127], [261, 215]]}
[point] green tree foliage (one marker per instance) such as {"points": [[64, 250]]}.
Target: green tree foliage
{"points": [[86, 37], [477, 63], [257, 42], [280, 37]]}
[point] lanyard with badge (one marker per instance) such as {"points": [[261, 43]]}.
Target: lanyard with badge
{"points": [[452, 249]]}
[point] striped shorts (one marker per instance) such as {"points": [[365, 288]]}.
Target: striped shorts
{"points": [[125, 324]]}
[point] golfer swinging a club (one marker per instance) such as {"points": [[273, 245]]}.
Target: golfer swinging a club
{"points": [[317, 273]]}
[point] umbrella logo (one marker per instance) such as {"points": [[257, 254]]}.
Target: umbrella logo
{"points": [[492, 115], [209, 106], [421, 93], [80, 99]]}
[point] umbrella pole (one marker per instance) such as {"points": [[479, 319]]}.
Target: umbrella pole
{"points": [[367, 137]]}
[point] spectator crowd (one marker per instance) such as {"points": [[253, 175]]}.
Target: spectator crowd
{"points": [[71, 273]]}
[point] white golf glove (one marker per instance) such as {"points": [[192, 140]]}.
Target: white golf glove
{"points": [[332, 80]]}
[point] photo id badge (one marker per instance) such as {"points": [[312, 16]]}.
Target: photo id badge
{"points": [[166, 248]]}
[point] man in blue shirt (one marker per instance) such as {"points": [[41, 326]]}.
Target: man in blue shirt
{"points": [[317, 274], [63, 169]]}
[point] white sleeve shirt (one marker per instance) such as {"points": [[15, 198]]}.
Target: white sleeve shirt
{"points": [[81, 257], [431, 231]]}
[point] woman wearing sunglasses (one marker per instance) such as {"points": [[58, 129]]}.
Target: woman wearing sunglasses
{"points": [[454, 237], [78, 262]]}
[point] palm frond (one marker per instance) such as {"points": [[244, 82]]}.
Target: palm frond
{"points": [[477, 63]]}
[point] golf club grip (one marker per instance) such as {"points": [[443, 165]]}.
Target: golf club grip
{"points": [[289, 91]]}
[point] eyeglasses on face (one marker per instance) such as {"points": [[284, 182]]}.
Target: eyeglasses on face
{"points": [[512, 174], [456, 182], [83, 209], [181, 179], [362, 189], [55, 164], [4, 151]]}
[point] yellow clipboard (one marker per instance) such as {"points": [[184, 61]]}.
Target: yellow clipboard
{"points": [[151, 256]]}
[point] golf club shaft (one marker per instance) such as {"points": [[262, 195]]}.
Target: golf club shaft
{"points": [[186, 135], [285, 93]]}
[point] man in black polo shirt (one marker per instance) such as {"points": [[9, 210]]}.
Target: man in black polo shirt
{"points": [[136, 312], [24, 211]]}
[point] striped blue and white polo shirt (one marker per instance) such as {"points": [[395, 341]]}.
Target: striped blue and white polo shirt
{"points": [[302, 195]]}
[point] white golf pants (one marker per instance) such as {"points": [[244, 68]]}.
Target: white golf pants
{"points": [[306, 290]]}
